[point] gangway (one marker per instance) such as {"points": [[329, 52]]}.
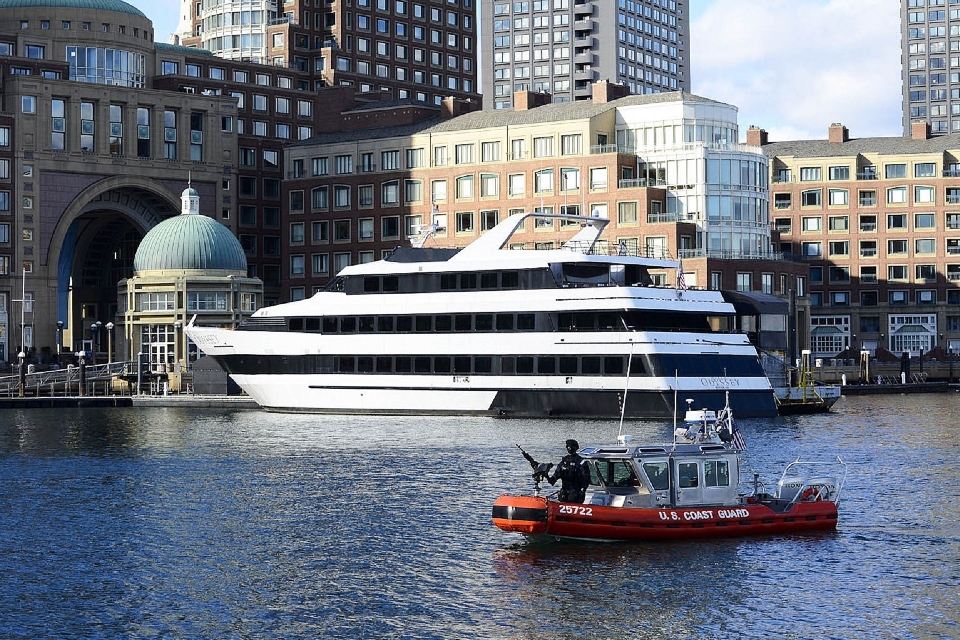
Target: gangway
{"points": [[61, 381]]}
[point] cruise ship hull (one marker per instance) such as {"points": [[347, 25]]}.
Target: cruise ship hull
{"points": [[281, 378]]}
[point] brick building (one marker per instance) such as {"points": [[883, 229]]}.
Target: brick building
{"points": [[878, 222]]}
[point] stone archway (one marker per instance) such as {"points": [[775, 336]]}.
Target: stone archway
{"points": [[93, 247]]}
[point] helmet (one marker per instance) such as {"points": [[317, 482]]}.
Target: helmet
{"points": [[573, 444]]}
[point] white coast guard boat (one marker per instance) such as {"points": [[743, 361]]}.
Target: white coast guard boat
{"points": [[483, 330]]}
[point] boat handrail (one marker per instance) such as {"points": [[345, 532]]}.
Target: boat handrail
{"points": [[806, 480]]}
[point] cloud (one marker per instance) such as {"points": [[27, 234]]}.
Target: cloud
{"points": [[795, 67]]}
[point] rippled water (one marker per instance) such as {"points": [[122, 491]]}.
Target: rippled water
{"points": [[219, 524]]}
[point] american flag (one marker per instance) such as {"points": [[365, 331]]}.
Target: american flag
{"points": [[725, 420], [738, 440], [681, 281]]}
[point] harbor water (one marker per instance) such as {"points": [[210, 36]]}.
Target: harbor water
{"points": [[215, 523]]}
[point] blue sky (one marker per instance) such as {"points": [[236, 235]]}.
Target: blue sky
{"points": [[792, 67]]}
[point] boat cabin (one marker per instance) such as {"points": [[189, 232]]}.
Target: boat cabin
{"points": [[682, 475]]}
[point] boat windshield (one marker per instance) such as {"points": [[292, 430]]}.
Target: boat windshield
{"points": [[658, 475], [613, 473]]}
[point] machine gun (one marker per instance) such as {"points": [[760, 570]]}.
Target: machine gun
{"points": [[540, 469]]}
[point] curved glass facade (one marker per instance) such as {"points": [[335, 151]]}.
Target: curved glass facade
{"points": [[107, 66]]}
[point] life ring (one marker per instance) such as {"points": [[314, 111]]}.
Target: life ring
{"points": [[811, 494]]}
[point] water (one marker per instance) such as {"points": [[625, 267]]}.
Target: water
{"points": [[174, 523]]}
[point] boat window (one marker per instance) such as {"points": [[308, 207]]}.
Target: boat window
{"points": [[608, 321], [424, 324], [568, 365], [385, 323], [463, 322], [484, 322], [489, 280], [366, 324], [504, 322], [403, 364], [709, 365], [613, 365], [421, 364], [365, 364], [468, 281], [331, 324], [526, 322], [384, 364], [295, 324], [348, 324], [313, 324], [508, 364], [524, 364], [441, 364], [636, 366], [391, 283], [461, 364], [404, 324], [346, 364], [371, 284], [546, 364], [483, 364], [443, 323], [590, 365], [448, 281], [613, 473], [658, 475], [716, 473], [687, 475], [510, 279]]}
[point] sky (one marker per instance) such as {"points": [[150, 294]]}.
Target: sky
{"points": [[792, 67]]}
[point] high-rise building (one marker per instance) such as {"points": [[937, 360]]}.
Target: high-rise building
{"points": [[930, 33], [562, 47], [425, 50]]}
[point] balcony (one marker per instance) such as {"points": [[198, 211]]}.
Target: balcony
{"points": [[868, 227], [868, 278], [586, 24], [867, 175], [582, 9], [953, 198], [868, 201], [868, 253], [782, 204], [585, 57], [953, 276]]}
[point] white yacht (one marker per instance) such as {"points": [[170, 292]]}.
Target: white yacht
{"points": [[485, 330]]}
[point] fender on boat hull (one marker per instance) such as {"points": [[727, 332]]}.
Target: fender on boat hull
{"points": [[521, 514]]}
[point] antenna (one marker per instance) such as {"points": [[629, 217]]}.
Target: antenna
{"points": [[626, 388]]}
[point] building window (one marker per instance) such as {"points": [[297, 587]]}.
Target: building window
{"points": [[811, 198], [170, 135], [810, 174], [87, 127]]}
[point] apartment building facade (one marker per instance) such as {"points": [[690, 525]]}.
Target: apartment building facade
{"points": [[641, 161], [562, 47], [878, 222], [930, 37], [419, 49], [101, 128]]}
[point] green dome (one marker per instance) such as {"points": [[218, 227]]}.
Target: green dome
{"points": [[99, 5], [190, 242]]}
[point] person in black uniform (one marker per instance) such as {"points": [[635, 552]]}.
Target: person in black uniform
{"points": [[573, 474]]}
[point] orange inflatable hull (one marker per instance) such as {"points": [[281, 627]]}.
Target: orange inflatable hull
{"points": [[534, 516]]}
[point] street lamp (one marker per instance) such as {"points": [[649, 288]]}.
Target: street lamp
{"points": [[21, 373], [59, 339], [109, 343], [83, 373], [95, 339], [177, 325]]}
